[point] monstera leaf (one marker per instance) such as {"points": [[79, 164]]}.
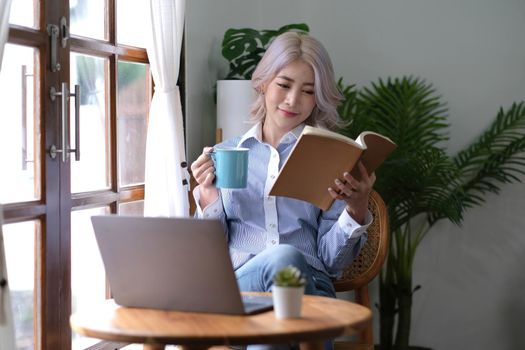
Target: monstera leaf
{"points": [[244, 48]]}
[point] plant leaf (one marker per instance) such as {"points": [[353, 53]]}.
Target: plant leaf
{"points": [[243, 48]]}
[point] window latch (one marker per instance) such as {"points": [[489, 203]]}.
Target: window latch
{"points": [[64, 32], [52, 31]]}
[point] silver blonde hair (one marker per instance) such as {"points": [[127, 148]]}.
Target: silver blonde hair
{"points": [[285, 49]]}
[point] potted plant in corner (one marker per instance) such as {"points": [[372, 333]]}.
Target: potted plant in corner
{"points": [[243, 49], [287, 292], [420, 183]]}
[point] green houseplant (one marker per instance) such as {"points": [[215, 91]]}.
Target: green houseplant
{"points": [[243, 48], [420, 183], [287, 292]]}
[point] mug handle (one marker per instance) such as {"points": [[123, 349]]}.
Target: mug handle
{"points": [[212, 156], [214, 160]]}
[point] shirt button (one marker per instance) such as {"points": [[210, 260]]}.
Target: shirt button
{"points": [[269, 199], [274, 155], [273, 241], [215, 210], [272, 225], [272, 176]]}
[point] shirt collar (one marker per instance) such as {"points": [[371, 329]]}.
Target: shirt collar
{"points": [[256, 133], [296, 132]]}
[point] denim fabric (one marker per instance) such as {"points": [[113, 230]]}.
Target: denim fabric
{"points": [[256, 276]]}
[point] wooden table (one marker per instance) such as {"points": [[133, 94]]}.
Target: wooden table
{"points": [[322, 318]]}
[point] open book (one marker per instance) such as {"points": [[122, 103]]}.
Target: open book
{"points": [[320, 156]]}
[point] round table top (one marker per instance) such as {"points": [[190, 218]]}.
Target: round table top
{"points": [[322, 318]]}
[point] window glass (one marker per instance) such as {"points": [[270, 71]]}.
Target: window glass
{"points": [[22, 13], [132, 208], [20, 245], [19, 126], [131, 23], [87, 18], [91, 172], [88, 279], [132, 110]]}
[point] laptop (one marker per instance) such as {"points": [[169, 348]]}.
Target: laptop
{"points": [[171, 264]]}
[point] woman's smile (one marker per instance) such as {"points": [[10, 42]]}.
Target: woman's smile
{"points": [[288, 113]]}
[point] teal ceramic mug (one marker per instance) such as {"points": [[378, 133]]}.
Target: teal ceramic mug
{"points": [[231, 167]]}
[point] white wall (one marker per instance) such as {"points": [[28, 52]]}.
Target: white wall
{"points": [[473, 51]]}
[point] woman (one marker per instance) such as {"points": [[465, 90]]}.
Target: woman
{"points": [[295, 85]]}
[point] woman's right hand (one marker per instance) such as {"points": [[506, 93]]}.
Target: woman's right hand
{"points": [[204, 173]]}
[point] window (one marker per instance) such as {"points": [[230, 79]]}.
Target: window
{"points": [[48, 201]]}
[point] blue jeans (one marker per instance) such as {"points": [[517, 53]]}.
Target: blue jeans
{"points": [[256, 276]]}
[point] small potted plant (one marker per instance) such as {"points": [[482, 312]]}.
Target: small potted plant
{"points": [[287, 292]]}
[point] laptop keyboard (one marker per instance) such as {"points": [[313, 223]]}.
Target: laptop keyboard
{"points": [[257, 303]]}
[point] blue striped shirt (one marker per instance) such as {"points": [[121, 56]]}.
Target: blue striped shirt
{"points": [[254, 221]]}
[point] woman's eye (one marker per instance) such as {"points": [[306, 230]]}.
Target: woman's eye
{"points": [[284, 86], [308, 92]]}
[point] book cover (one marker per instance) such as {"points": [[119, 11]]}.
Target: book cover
{"points": [[320, 156]]}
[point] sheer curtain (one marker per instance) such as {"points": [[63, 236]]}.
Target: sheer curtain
{"points": [[167, 177], [7, 341]]}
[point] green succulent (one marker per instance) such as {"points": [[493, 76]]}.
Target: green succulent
{"points": [[289, 276]]}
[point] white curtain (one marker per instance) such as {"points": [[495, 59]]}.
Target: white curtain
{"points": [[167, 178], [7, 339]]}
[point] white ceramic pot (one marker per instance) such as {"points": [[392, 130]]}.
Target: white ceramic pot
{"points": [[287, 301]]}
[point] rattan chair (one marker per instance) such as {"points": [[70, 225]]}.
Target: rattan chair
{"points": [[365, 267]]}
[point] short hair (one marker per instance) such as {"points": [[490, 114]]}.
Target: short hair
{"points": [[285, 49]]}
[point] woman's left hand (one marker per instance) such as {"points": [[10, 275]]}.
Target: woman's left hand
{"points": [[355, 193]]}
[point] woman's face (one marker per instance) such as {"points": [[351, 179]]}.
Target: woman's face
{"points": [[289, 97]]}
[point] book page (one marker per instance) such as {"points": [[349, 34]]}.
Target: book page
{"points": [[370, 136], [378, 147], [309, 130]]}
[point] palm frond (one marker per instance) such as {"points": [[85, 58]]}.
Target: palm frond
{"points": [[419, 178], [423, 183], [495, 158], [407, 110], [352, 123]]}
